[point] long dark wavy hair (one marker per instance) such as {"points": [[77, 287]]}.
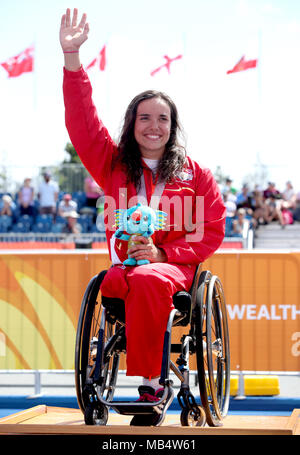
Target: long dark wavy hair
{"points": [[174, 156]]}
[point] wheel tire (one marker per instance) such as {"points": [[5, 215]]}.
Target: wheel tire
{"points": [[212, 349], [188, 418], [95, 414], [82, 343]]}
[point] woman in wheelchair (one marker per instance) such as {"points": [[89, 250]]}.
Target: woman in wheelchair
{"points": [[149, 166]]}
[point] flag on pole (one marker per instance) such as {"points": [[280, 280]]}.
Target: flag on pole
{"points": [[243, 65], [100, 60], [21, 63], [166, 65]]}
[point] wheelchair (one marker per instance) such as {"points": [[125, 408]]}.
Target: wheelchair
{"points": [[100, 340]]}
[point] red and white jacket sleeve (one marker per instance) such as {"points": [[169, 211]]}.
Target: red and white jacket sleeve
{"points": [[88, 135]]}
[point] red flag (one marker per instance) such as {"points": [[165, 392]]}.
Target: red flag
{"points": [[21, 63], [100, 59], [166, 65], [93, 63], [102, 63], [243, 65]]}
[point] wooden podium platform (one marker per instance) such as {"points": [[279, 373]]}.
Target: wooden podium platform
{"points": [[46, 420]]}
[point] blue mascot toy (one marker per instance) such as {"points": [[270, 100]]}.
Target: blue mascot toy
{"points": [[138, 220]]}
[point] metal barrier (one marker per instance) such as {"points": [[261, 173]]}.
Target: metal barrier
{"points": [[32, 240], [37, 385]]}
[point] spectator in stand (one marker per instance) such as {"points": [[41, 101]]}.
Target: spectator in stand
{"points": [[288, 197], [67, 205], [243, 199], [72, 227], [274, 212], [229, 190], [260, 209], [271, 191], [240, 225], [25, 198], [8, 206], [287, 204], [296, 210], [225, 189], [289, 192], [230, 206], [273, 202], [92, 191], [48, 195]]}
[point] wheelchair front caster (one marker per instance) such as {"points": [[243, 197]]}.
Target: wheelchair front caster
{"points": [[95, 414], [190, 418]]}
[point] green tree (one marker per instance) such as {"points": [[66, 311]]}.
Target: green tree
{"points": [[72, 154], [72, 173]]}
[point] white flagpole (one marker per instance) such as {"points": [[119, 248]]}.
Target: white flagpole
{"points": [[259, 164]]}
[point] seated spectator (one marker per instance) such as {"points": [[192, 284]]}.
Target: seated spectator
{"points": [[225, 189], [286, 205], [47, 195], [230, 206], [92, 191], [260, 209], [288, 197], [240, 226], [289, 191], [274, 212], [72, 227], [243, 199], [8, 206], [66, 205], [296, 209], [26, 198], [228, 189], [273, 202], [271, 191]]}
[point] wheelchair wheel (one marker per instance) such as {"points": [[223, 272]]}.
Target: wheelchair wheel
{"points": [[188, 418], [109, 335], [212, 348], [92, 315], [95, 414]]}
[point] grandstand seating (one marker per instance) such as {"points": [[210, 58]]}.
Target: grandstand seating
{"points": [[42, 224], [5, 223], [47, 230], [233, 240]]}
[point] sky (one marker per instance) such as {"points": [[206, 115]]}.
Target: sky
{"points": [[247, 123]]}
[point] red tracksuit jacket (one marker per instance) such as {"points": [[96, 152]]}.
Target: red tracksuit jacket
{"points": [[97, 151]]}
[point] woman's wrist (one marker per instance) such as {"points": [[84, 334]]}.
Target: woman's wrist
{"points": [[162, 255], [72, 60]]}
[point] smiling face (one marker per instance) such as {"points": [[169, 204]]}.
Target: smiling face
{"points": [[152, 127]]}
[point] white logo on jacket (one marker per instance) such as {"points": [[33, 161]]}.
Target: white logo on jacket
{"points": [[186, 175]]}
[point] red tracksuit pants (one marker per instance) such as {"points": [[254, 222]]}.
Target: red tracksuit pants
{"points": [[147, 291]]}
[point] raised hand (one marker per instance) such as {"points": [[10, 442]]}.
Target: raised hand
{"points": [[71, 35]]}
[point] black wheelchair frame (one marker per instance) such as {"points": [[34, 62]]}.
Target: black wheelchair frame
{"points": [[101, 339]]}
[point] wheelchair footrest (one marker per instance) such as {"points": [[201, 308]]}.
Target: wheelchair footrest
{"points": [[132, 408]]}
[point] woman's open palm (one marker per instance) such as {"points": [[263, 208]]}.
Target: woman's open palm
{"points": [[72, 35]]}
